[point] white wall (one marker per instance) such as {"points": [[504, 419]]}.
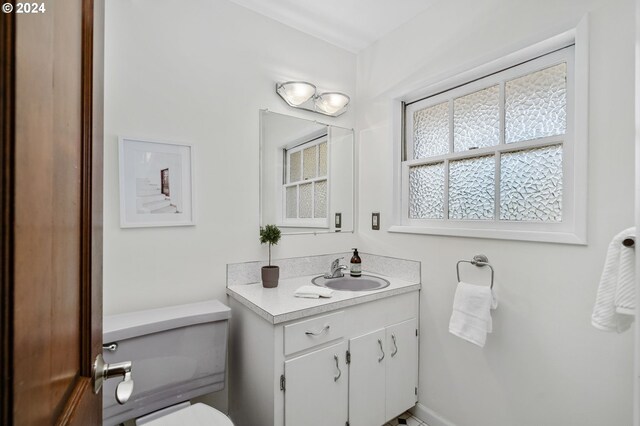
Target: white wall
{"points": [[198, 72], [544, 364]]}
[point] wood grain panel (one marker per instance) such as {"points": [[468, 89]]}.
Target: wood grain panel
{"points": [[33, 222], [93, 122], [7, 100], [66, 200], [51, 181]]}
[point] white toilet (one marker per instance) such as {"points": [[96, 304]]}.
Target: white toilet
{"points": [[177, 353]]}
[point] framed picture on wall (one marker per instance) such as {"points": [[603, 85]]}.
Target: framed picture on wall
{"points": [[156, 183]]}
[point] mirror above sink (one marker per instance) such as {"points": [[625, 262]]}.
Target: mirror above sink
{"points": [[307, 175]]}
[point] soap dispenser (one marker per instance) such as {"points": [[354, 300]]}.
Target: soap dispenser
{"points": [[356, 264]]}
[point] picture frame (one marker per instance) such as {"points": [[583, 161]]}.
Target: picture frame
{"points": [[156, 183]]}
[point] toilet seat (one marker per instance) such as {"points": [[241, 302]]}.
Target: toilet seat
{"points": [[194, 415]]}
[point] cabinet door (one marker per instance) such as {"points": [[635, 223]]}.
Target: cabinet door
{"points": [[367, 379], [402, 367], [316, 388]]}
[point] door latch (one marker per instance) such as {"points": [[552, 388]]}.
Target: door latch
{"points": [[103, 371]]}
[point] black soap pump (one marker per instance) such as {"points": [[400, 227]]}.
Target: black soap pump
{"points": [[356, 264]]}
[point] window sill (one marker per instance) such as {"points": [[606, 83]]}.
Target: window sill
{"points": [[496, 234]]}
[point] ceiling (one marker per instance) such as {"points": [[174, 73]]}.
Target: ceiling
{"points": [[350, 24]]}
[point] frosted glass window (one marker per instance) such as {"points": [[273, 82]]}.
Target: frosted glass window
{"points": [[536, 105], [295, 166], [476, 120], [292, 202], [310, 165], [322, 159], [431, 131], [531, 185], [500, 154], [472, 188], [426, 191], [306, 209], [320, 199]]}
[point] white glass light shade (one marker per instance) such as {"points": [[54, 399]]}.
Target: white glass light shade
{"points": [[297, 92], [332, 102]]}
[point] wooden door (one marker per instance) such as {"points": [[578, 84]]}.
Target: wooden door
{"points": [[51, 289], [316, 388], [402, 367], [367, 379]]}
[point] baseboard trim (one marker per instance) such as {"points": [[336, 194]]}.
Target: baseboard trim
{"points": [[429, 416]]}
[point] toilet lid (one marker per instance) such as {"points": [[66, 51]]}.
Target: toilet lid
{"points": [[194, 415]]}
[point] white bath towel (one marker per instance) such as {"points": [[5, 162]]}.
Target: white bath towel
{"points": [[471, 316], [313, 292], [615, 302]]}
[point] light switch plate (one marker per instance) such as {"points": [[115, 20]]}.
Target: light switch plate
{"points": [[375, 221], [338, 221]]}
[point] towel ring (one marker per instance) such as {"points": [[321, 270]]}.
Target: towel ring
{"points": [[479, 260]]}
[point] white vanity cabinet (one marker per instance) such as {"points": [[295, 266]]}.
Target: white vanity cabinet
{"points": [[327, 369], [317, 387], [383, 373]]}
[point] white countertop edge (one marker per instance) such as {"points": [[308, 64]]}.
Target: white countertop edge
{"points": [[252, 306], [344, 303], [314, 310]]}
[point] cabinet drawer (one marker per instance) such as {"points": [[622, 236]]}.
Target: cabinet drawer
{"points": [[309, 333]]}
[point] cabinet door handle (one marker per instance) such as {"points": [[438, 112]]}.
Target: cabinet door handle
{"points": [[335, 379], [395, 347], [311, 333], [381, 350]]}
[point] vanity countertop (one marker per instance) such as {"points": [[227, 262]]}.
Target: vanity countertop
{"points": [[278, 305]]}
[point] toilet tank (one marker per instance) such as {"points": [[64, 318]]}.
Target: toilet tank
{"points": [[177, 353]]}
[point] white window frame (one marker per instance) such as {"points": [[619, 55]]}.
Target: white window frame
{"points": [[285, 222], [572, 230]]}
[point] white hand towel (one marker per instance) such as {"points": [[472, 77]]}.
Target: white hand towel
{"points": [[615, 302], [313, 292], [471, 316]]}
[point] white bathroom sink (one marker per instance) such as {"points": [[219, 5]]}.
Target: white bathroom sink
{"points": [[349, 283]]}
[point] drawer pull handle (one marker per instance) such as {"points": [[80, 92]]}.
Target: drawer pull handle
{"points": [[395, 346], [311, 333], [335, 379], [381, 350]]}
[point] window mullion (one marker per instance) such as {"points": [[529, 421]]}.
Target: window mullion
{"points": [[498, 155], [489, 150], [496, 210], [451, 129], [501, 106], [445, 207], [533, 143], [313, 185], [313, 200], [297, 201], [318, 159], [287, 164]]}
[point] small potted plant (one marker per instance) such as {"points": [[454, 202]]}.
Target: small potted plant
{"points": [[270, 234]]}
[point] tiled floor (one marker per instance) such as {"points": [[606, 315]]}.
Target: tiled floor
{"points": [[406, 419]]}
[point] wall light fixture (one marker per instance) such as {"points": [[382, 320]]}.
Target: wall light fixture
{"points": [[303, 95]]}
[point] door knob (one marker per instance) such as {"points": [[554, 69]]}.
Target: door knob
{"points": [[103, 371]]}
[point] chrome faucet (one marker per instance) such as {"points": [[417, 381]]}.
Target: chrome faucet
{"points": [[336, 269]]}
